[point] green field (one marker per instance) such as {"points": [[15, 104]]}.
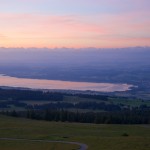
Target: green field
{"points": [[115, 100], [22, 100], [129, 102], [97, 137]]}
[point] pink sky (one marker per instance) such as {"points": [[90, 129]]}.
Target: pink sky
{"points": [[97, 23]]}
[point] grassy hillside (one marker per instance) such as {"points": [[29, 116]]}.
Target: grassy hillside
{"points": [[97, 137], [15, 145]]}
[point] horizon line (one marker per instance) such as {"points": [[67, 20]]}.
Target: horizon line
{"points": [[74, 47]]}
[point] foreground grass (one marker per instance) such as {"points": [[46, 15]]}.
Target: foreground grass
{"points": [[22, 145], [97, 137]]}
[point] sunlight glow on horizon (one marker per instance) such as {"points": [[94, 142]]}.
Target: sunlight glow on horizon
{"points": [[100, 24]]}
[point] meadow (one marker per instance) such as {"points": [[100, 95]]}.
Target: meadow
{"points": [[97, 137]]}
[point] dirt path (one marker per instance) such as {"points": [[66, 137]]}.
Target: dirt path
{"points": [[82, 146]]}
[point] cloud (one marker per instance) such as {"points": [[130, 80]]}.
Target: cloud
{"points": [[101, 30]]}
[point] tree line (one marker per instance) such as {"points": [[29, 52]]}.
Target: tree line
{"points": [[118, 117], [28, 95]]}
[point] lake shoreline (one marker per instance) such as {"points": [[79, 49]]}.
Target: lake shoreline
{"points": [[58, 85]]}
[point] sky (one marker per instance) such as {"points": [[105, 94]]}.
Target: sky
{"points": [[74, 23]]}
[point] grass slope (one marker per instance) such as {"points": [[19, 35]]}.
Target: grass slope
{"points": [[22, 145], [97, 137]]}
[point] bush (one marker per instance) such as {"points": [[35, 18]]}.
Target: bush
{"points": [[125, 134]]}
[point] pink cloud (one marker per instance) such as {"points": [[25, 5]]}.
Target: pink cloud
{"points": [[75, 31]]}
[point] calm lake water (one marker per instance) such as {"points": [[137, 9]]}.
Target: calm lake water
{"points": [[63, 85]]}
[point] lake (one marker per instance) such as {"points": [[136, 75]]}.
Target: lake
{"points": [[61, 85]]}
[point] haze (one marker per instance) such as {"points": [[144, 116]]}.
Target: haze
{"points": [[126, 65]]}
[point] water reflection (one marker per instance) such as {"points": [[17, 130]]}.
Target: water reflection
{"points": [[64, 85]]}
